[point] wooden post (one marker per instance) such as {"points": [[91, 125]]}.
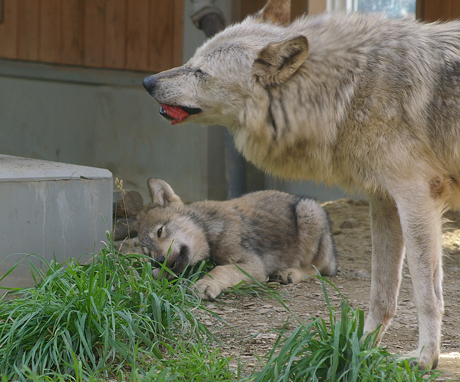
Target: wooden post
{"points": [[434, 10]]}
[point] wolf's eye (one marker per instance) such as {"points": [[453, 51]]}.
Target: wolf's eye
{"points": [[160, 230], [198, 73]]}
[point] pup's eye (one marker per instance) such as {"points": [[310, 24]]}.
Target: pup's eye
{"points": [[199, 73], [160, 230]]}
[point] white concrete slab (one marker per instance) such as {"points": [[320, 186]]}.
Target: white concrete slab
{"points": [[52, 210], [17, 169]]}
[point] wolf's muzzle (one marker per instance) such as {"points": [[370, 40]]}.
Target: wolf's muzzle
{"points": [[149, 83]]}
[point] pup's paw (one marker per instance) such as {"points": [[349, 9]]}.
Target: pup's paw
{"points": [[290, 275], [208, 289]]}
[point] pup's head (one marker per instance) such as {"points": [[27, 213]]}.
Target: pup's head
{"points": [[168, 234], [231, 69]]}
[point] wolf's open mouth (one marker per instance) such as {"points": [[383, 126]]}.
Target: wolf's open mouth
{"points": [[177, 114]]}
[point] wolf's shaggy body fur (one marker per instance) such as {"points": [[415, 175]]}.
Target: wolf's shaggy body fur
{"points": [[356, 100]]}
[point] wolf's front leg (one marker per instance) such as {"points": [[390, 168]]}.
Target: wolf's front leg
{"points": [[226, 276], [387, 258]]}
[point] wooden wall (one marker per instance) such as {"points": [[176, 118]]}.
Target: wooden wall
{"points": [[432, 10], [144, 35]]}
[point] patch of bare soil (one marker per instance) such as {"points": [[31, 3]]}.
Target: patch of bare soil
{"points": [[252, 320]]}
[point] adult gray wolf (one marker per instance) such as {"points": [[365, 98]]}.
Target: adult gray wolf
{"points": [[266, 234], [360, 101]]}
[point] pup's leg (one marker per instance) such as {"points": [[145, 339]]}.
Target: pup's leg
{"points": [[316, 245], [387, 259], [316, 242], [226, 276], [420, 211]]}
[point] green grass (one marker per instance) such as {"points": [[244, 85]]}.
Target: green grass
{"points": [[187, 362], [335, 350], [110, 319], [244, 288], [92, 319], [192, 363]]}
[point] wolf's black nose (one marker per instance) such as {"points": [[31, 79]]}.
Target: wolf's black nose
{"points": [[149, 83]]}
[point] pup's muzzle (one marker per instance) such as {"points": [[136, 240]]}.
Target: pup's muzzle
{"points": [[156, 263]]}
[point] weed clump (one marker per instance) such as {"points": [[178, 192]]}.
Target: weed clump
{"points": [[336, 350], [94, 317]]}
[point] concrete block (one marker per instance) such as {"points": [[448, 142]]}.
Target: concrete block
{"points": [[52, 210]]}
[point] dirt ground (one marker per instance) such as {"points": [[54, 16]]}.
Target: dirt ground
{"points": [[251, 320]]}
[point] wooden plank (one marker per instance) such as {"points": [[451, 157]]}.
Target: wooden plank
{"points": [[50, 31], [434, 10], [94, 29], [420, 9], [137, 26], [455, 14], [8, 30], [250, 7], [298, 8], [28, 32], [160, 35], [115, 34], [72, 32], [178, 33]]}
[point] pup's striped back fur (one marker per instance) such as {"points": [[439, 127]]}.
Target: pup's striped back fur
{"points": [[268, 234]]}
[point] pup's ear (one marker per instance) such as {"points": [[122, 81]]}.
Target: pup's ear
{"points": [[280, 60], [276, 12], [162, 194]]}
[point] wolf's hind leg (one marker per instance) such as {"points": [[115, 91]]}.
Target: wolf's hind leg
{"points": [[421, 220]]}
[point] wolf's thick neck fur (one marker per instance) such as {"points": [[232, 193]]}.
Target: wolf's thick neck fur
{"points": [[363, 74]]}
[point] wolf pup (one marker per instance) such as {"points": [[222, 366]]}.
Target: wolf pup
{"points": [[266, 234], [360, 101]]}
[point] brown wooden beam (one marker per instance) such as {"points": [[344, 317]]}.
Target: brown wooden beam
{"points": [[435, 10]]}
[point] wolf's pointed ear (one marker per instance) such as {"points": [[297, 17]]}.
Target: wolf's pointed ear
{"points": [[162, 194], [276, 11], [280, 60]]}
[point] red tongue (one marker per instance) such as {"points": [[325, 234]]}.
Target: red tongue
{"points": [[175, 112]]}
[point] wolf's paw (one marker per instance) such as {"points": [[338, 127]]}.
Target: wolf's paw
{"points": [[287, 276], [423, 359], [208, 289]]}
